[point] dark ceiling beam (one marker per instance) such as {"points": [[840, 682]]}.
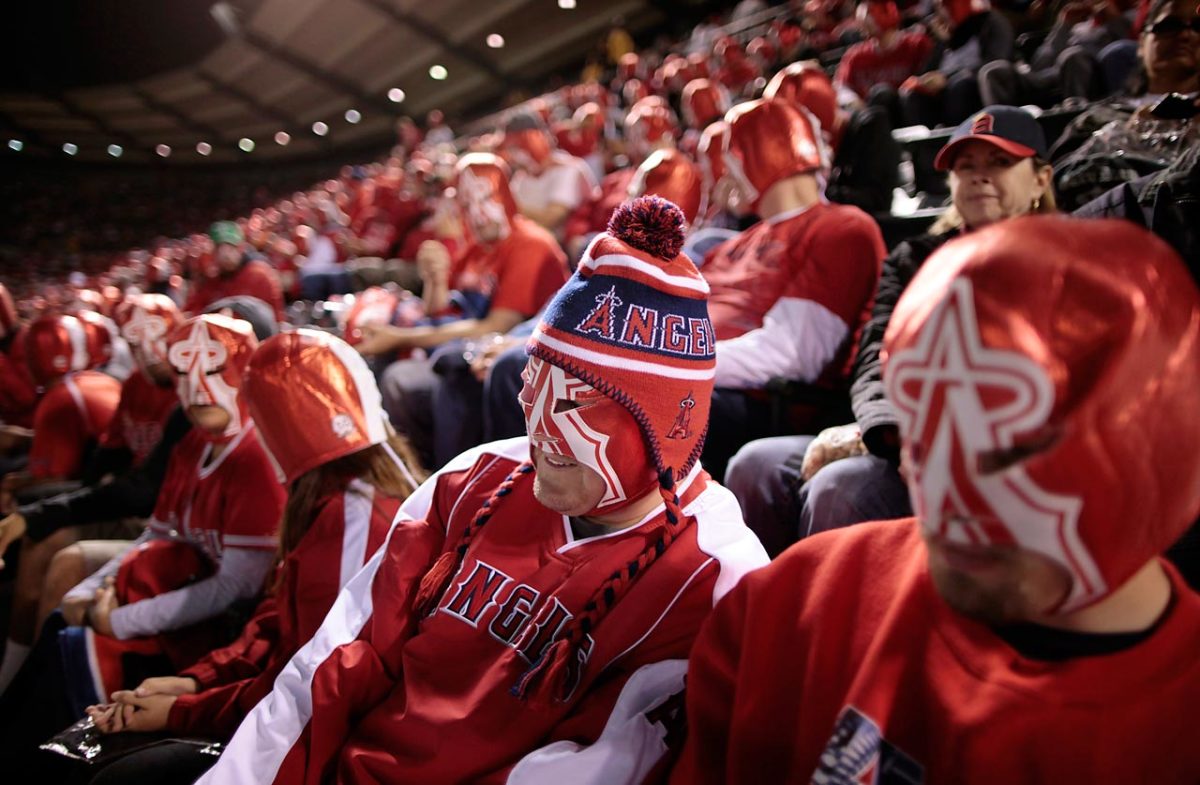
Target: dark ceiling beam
{"points": [[266, 110], [190, 123], [337, 83], [429, 31], [127, 139]]}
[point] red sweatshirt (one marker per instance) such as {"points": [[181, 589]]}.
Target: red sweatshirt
{"points": [[840, 663], [347, 528]]}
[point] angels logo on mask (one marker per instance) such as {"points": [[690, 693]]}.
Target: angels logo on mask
{"points": [[200, 359], [146, 331], [582, 434], [960, 405], [479, 202]]}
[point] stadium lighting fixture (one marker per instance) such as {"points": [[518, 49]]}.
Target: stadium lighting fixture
{"points": [[246, 144], [115, 150], [495, 41], [396, 95], [163, 150], [566, 5], [70, 149], [319, 128], [438, 72], [353, 116], [282, 138], [204, 148], [16, 145]]}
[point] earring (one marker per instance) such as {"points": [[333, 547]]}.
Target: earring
{"points": [[1037, 205]]}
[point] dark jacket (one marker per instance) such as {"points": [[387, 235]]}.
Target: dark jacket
{"points": [[872, 410]]}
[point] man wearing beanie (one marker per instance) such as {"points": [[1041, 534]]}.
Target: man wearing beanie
{"points": [[231, 271], [534, 626], [1023, 627]]}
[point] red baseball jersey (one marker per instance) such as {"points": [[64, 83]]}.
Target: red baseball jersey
{"points": [[794, 290], [840, 663], [381, 696], [73, 413], [520, 273], [865, 64], [233, 501], [256, 278], [141, 414], [347, 528]]}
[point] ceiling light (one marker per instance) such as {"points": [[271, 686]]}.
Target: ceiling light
{"points": [[70, 149], [353, 116], [16, 145], [204, 148], [115, 150], [163, 150], [566, 5], [438, 72], [246, 144], [395, 95], [282, 138], [319, 128], [495, 40]]}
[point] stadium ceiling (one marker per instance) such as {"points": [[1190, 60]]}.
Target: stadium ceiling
{"points": [[85, 75]]}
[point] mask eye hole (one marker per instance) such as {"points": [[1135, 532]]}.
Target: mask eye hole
{"points": [[995, 461], [563, 405]]}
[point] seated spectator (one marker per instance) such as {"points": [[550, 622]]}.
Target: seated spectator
{"points": [[702, 103], [209, 545], [865, 166], [547, 183], [232, 271], [790, 294], [556, 578], [969, 35], [1031, 579], [870, 72], [1065, 65], [345, 487], [508, 272], [73, 414], [791, 487], [18, 395], [1136, 134]]}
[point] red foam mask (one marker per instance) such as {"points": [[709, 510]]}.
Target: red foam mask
{"points": [[567, 417], [210, 353]]}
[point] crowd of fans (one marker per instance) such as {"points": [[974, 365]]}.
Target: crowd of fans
{"points": [[270, 485]]}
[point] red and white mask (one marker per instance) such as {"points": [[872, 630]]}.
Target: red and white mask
{"points": [[484, 197], [565, 416], [210, 353], [769, 139], [145, 321]]}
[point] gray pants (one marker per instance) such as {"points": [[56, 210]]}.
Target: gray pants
{"points": [[1073, 75], [780, 508]]}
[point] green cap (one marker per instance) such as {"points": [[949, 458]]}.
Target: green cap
{"points": [[225, 232]]}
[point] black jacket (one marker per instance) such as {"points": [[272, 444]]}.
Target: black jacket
{"points": [[872, 410]]}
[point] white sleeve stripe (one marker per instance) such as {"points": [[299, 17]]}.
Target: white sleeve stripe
{"points": [[248, 541], [797, 340], [358, 503]]}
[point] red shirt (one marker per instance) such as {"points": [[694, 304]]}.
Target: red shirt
{"points": [[866, 64], [520, 272], [841, 663], [18, 395], [141, 414], [347, 528], [75, 412], [233, 501], [255, 278]]}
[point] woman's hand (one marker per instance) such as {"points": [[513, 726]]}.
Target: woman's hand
{"points": [[166, 685], [99, 615]]}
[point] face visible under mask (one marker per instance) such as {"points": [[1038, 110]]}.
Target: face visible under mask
{"points": [[207, 378], [565, 416]]}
